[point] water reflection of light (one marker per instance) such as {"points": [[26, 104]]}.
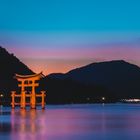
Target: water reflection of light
{"points": [[93, 122]]}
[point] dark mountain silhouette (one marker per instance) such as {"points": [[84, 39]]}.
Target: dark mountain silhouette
{"points": [[112, 80], [68, 91], [9, 65], [118, 78]]}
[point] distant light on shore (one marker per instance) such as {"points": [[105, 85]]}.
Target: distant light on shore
{"points": [[103, 98], [131, 100], [1, 95]]}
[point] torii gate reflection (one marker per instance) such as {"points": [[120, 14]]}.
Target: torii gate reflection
{"points": [[25, 124], [24, 82]]}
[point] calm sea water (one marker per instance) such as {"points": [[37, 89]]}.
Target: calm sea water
{"points": [[72, 122]]}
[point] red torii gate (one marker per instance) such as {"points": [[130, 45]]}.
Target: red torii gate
{"points": [[24, 82]]}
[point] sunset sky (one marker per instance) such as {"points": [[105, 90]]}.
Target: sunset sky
{"points": [[59, 35]]}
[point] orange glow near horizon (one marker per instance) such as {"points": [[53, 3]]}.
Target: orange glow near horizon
{"points": [[62, 61], [59, 66], [54, 66]]}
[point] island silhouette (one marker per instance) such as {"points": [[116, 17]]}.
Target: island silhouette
{"points": [[108, 81]]}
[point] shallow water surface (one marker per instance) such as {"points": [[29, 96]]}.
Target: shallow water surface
{"points": [[72, 122]]}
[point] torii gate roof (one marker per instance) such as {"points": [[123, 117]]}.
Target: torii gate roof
{"points": [[39, 75]]}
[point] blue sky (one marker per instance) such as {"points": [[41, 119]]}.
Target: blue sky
{"points": [[46, 15]]}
